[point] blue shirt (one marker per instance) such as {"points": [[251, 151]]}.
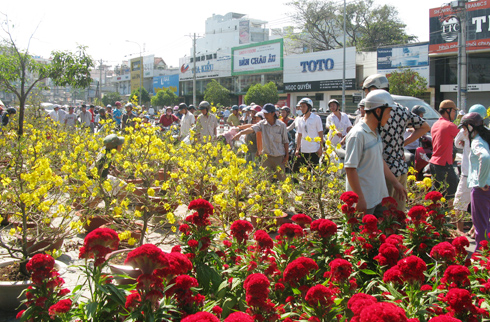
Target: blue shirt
{"points": [[117, 112], [479, 170]]}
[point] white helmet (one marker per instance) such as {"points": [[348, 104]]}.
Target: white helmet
{"points": [[377, 80], [378, 98], [109, 105], [361, 103], [307, 101]]}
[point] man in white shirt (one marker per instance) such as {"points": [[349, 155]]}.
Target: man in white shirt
{"points": [[151, 111], [187, 121], [338, 119], [57, 115], [85, 116], [309, 139], [70, 118]]}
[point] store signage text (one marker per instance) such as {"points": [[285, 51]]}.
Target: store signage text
{"points": [[257, 60], [319, 64]]}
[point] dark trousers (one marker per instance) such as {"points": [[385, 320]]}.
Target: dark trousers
{"points": [[444, 179], [309, 159], [480, 214]]}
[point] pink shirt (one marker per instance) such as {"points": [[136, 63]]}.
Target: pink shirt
{"points": [[443, 133]]}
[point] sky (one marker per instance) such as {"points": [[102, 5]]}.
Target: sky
{"points": [[161, 28]]}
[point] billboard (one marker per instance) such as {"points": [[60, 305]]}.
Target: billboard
{"points": [[244, 32], [319, 71], [136, 69], [166, 82], [415, 57], [444, 33], [148, 65], [257, 58], [212, 68]]}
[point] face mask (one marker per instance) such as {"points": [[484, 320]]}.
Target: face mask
{"points": [[299, 113]]}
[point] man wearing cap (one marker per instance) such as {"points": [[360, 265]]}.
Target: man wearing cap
{"points": [[85, 116], [128, 116], [234, 118], [187, 120], [275, 143], [108, 111], [338, 119], [309, 126], [192, 109], [361, 114], [441, 163], [206, 123], [70, 118]]}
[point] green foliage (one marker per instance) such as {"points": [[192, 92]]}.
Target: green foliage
{"points": [[407, 82], [216, 94], [145, 96], [165, 98], [368, 26], [262, 94], [111, 98]]}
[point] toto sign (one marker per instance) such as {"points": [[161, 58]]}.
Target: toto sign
{"points": [[319, 64]]}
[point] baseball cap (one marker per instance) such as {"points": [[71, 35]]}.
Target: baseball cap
{"points": [[269, 108], [112, 140], [447, 104]]}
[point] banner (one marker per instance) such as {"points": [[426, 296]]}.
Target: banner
{"points": [[415, 57], [257, 58], [244, 32], [320, 71], [166, 82], [148, 65], [212, 68], [444, 33], [136, 65]]}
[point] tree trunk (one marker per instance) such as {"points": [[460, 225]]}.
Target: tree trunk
{"points": [[20, 131]]}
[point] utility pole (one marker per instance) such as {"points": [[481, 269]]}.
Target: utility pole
{"points": [[460, 8], [100, 80], [343, 68], [194, 73]]}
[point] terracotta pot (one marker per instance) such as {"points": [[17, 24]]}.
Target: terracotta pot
{"points": [[34, 247], [134, 181], [95, 221], [118, 269], [10, 292]]}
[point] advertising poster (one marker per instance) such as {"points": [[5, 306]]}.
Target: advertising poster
{"points": [[244, 32], [136, 65], [444, 28], [320, 71], [415, 57], [212, 68], [166, 82], [257, 58]]}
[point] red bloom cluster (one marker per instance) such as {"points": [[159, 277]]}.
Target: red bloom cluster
{"points": [[299, 268], [98, 243], [177, 264], [433, 196], [412, 269], [457, 274], [393, 275], [290, 230], [41, 267], [444, 318], [443, 252], [133, 300], [239, 317], [320, 295], [302, 220], [370, 224], [201, 206], [147, 258], [63, 306], [256, 290], [360, 301], [240, 229], [459, 300], [199, 220], [388, 255], [460, 243], [382, 312], [263, 239], [349, 197], [325, 228], [417, 214], [201, 317], [340, 270]]}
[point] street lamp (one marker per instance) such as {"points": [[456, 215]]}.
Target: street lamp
{"points": [[141, 70]]}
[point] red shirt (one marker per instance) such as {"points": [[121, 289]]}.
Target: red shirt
{"points": [[92, 113], [164, 121], [443, 133]]}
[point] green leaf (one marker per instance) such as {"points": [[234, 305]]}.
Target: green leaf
{"points": [[368, 272]]}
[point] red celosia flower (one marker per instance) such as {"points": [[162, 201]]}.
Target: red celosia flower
{"points": [[217, 310], [178, 264], [443, 252], [320, 295], [412, 269], [340, 269], [199, 220], [290, 230], [240, 229], [325, 228], [382, 312], [147, 258], [417, 214], [201, 206], [63, 306], [359, 301], [370, 223], [388, 255], [201, 317], [154, 297], [41, 267], [302, 220], [176, 249], [184, 228], [460, 243], [456, 274], [239, 317], [434, 196], [393, 275], [389, 202], [313, 319], [149, 281], [192, 243], [426, 288], [19, 315], [299, 268], [181, 289], [279, 287], [459, 300], [263, 239], [98, 243], [256, 289], [349, 197]]}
